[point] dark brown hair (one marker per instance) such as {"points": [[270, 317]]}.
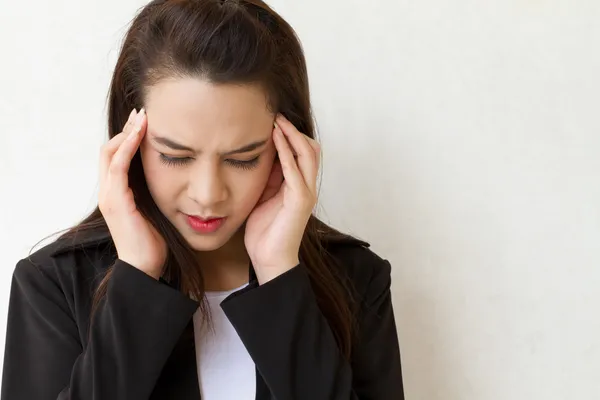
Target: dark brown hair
{"points": [[220, 41]]}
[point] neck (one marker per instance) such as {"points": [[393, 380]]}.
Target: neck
{"points": [[227, 267]]}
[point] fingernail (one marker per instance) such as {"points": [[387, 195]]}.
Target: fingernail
{"points": [[276, 126], [139, 118], [131, 115]]}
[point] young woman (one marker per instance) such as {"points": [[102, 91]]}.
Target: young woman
{"points": [[203, 274]]}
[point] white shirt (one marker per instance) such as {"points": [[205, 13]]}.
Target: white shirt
{"points": [[225, 369]]}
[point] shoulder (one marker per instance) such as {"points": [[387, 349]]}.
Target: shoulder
{"points": [[368, 273], [65, 263]]}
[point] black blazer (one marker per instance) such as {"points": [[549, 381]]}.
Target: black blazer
{"points": [[142, 339]]}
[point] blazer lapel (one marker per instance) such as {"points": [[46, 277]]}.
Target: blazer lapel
{"points": [[179, 377]]}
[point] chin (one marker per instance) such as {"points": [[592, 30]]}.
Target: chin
{"points": [[201, 245], [206, 243]]}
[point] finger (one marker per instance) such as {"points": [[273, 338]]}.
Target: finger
{"points": [[314, 144], [316, 148], [307, 159], [289, 129], [108, 150], [113, 144], [130, 122], [119, 164], [291, 172]]}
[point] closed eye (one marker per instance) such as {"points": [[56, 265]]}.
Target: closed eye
{"points": [[250, 164], [178, 161], [173, 161]]}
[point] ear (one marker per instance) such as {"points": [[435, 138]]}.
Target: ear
{"points": [[273, 185]]}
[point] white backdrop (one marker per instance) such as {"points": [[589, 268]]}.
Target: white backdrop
{"points": [[459, 138]]}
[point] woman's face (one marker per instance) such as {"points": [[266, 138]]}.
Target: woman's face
{"points": [[193, 129]]}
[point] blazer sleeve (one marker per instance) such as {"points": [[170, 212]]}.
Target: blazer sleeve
{"points": [[134, 330], [294, 348]]}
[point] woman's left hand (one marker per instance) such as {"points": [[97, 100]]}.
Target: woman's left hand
{"points": [[275, 227]]}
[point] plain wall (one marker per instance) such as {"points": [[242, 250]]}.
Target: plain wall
{"points": [[459, 139]]}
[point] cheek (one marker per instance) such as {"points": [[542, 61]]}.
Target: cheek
{"points": [[249, 185]]}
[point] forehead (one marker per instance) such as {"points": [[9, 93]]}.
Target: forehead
{"points": [[194, 110]]}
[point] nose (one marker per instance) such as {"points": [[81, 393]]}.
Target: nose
{"points": [[207, 187]]}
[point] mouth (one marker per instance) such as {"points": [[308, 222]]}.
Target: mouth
{"points": [[204, 219], [208, 224]]}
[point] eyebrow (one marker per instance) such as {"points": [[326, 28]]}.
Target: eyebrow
{"points": [[177, 146]]}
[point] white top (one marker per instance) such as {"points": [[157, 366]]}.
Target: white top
{"points": [[225, 369]]}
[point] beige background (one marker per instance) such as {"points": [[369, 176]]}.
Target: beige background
{"points": [[459, 139]]}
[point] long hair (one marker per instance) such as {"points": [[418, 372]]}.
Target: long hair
{"points": [[220, 41]]}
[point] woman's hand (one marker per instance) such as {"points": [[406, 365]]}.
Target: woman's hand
{"points": [[275, 228], [136, 240]]}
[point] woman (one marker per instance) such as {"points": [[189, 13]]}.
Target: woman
{"points": [[203, 273]]}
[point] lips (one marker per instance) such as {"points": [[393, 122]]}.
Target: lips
{"points": [[205, 225], [205, 219]]}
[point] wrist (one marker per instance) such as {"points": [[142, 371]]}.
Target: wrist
{"points": [[266, 273]]}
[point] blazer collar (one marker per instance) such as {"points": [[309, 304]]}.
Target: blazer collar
{"points": [[86, 239], [83, 240]]}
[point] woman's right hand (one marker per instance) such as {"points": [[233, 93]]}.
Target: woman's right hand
{"points": [[136, 240]]}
